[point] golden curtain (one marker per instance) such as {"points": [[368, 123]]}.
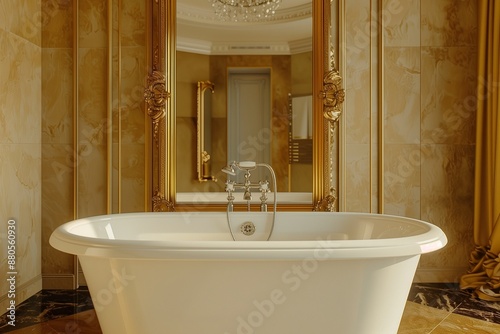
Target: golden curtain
{"points": [[484, 275]]}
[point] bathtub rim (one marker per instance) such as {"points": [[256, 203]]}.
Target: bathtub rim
{"points": [[63, 240]]}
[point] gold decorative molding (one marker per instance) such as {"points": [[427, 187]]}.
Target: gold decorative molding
{"points": [[156, 97], [333, 94], [328, 204], [161, 204]]}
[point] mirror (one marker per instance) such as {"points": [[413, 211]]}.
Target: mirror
{"points": [[165, 184], [205, 90]]}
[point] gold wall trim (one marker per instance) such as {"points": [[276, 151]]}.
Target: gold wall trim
{"points": [[160, 103], [76, 4], [76, 126], [109, 113], [342, 63], [318, 188], [381, 123]]}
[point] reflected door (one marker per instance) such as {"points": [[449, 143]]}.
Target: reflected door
{"points": [[249, 116]]}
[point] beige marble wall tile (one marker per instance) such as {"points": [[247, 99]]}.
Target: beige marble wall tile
{"points": [[20, 139], [401, 22], [23, 18], [57, 27], [57, 97], [447, 197], [20, 96], [132, 177], [93, 23], [402, 95], [402, 186], [448, 95], [449, 22], [20, 176], [92, 180], [133, 23], [131, 103], [357, 106], [357, 173], [57, 203]]}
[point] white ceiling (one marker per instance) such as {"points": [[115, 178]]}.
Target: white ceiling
{"points": [[288, 32]]}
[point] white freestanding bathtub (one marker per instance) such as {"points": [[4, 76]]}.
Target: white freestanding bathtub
{"points": [[181, 273]]}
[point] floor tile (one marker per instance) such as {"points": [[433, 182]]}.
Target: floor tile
{"points": [[420, 319], [84, 322], [456, 323]]}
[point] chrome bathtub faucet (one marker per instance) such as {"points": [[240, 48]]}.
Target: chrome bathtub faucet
{"points": [[247, 185]]}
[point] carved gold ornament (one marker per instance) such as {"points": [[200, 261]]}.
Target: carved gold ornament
{"points": [[333, 95], [160, 204], [156, 97]]}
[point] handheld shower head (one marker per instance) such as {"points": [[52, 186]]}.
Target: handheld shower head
{"points": [[229, 169]]}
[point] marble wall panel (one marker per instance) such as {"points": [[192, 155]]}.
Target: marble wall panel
{"points": [[20, 140], [20, 175], [57, 203], [93, 24], [92, 180], [131, 102], [448, 95], [357, 173], [401, 20], [57, 28], [448, 22], [357, 105], [447, 191], [132, 180], [402, 180], [57, 97], [23, 18], [402, 95], [133, 23], [20, 96]]}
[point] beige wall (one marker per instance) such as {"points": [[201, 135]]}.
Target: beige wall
{"points": [[20, 145], [429, 73], [93, 130]]}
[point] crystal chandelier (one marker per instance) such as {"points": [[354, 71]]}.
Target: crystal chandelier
{"points": [[244, 10]]}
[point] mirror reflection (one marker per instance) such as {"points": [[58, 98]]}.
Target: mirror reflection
{"points": [[256, 67]]}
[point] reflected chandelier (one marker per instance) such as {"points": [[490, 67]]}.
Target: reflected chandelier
{"points": [[244, 10]]}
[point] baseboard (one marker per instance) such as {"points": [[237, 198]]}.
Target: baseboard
{"points": [[447, 275], [59, 282], [23, 292]]}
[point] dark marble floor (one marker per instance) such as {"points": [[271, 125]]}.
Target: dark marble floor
{"points": [[49, 305], [450, 298]]}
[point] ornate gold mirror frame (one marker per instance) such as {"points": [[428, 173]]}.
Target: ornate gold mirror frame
{"points": [[328, 96]]}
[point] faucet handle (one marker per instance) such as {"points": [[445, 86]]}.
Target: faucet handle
{"points": [[229, 185], [264, 186]]}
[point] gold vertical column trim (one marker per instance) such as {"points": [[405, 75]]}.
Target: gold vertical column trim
{"points": [[119, 97], [109, 113], [318, 72], [341, 198], [171, 152], [75, 109], [148, 165], [370, 138], [75, 127], [381, 104]]}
